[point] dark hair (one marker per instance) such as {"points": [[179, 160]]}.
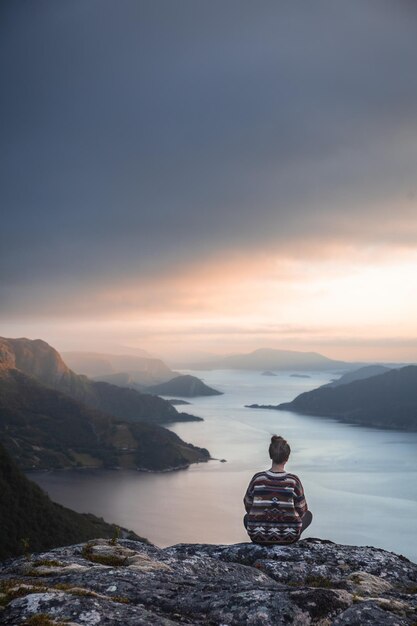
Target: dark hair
{"points": [[279, 450]]}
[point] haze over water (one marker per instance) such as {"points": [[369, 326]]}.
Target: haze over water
{"points": [[360, 483]]}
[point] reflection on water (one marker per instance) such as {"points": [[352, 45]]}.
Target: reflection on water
{"points": [[360, 483]]}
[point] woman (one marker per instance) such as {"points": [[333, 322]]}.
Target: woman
{"points": [[276, 509]]}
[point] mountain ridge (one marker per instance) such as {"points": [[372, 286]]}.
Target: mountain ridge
{"points": [[387, 400], [37, 358], [274, 359], [43, 428], [141, 369], [53, 420], [367, 371]]}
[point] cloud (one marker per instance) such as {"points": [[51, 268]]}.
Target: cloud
{"points": [[140, 140]]}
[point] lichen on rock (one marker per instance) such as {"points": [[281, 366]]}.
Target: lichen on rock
{"points": [[133, 583]]}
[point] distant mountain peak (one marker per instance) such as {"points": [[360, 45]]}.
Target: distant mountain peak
{"points": [[282, 351], [274, 359]]}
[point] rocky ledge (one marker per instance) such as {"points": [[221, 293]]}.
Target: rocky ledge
{"points": [[133, 583]]}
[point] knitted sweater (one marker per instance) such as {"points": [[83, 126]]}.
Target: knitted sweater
{"points": [[275, 504]]}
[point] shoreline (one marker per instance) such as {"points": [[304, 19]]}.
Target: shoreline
{"points": [[144, 470], [337, 418]]}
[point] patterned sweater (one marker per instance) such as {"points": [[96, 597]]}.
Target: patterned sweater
{"points": [[275, 504]]}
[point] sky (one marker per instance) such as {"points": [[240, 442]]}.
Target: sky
{"points": [[210, 176]]}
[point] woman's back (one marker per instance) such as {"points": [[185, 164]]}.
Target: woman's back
{"points": [[275, 505]]}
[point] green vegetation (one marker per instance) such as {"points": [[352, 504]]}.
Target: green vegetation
{"points": [[116, 535], [12, 588], [47, 563], [25, 543], [319, 581], [27, 512], [42, 428], [41, 619]]}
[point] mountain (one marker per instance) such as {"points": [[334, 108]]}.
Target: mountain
{"points": [[26, 513], [38, 359], [122, 379], [387, 400], [181, 385], [363, 372], [184, 386], [140, 370], [313, 582], [51, 417], [269, 359], [43, 428]]}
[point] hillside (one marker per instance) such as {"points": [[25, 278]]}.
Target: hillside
{"points": [[123, 379], [26, 513], [388, 400], [360, 374], [141, 370], [269, 359], [43, 428], [185, 387], [38, 359], [314, 582]]}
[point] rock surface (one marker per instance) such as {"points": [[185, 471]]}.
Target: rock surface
{"points": [[132, 583]]}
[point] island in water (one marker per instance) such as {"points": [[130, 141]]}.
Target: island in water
{"points": [[185, 386]]}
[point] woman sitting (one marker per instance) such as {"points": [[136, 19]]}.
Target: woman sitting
{"points": [[276, 509]]}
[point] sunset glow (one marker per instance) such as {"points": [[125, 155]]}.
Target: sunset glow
{"points": [[252, 186], [359, 310]]}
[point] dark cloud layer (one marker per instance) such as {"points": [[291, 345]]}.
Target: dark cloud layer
{"points": [[141, 135]]}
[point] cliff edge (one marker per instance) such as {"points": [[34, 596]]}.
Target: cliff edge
{"points": [[133, 583]]}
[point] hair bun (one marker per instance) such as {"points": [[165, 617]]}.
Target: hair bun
{"points": [[279, 450]]}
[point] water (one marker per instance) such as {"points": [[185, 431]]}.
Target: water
{"points": [[360, 483]]}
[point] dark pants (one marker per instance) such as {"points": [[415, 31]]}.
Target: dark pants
{"points": [[306, 520]]}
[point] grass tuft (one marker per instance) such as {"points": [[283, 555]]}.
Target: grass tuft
{"points": [[48, 563], [41, 619], [319, 581]]}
